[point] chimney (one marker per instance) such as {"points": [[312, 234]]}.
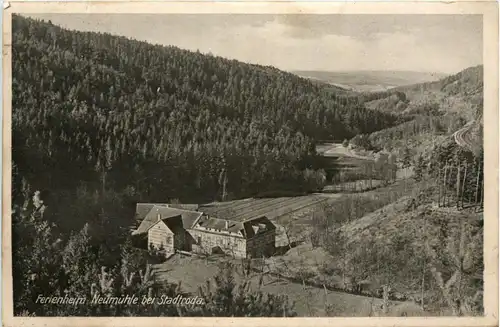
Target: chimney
{"points": [[227, 224], [159, 215]]}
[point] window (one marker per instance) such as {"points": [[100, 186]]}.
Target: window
{"points": [[199, 240], [169, 239]]}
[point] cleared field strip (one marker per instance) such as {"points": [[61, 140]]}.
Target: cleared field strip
{"points": [[291, 205], [224, 205], [267, 210], [219, 210], [269, 207], [297, 214], [233, 212], [297, 205], [259, 207], [217, 204]]}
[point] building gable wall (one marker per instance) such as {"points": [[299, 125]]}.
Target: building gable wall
{"points": [[262, 244], [160, 236]]}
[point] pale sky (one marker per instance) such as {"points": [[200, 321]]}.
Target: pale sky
{"points": [[426, 43]]}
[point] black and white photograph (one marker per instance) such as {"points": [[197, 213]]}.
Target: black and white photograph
{"points": [[248, 165]]}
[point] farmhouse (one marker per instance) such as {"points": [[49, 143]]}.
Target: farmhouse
{"points": [[187, 228]]}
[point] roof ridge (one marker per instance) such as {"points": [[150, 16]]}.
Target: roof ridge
{"points": [[254, 218], [173, 208], [234, 221], [153, 203], [186, 210]]}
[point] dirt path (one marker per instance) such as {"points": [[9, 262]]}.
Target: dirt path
{"points": [[337, 149]]}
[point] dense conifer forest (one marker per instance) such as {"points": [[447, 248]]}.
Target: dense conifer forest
{"points": [[97, 106]]}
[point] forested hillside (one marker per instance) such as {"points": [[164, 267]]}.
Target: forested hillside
{"points": [[95, 107], [460, 94], [442, 126], [431, 111]]}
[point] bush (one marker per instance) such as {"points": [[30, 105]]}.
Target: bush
{"points": [[362, 141]]}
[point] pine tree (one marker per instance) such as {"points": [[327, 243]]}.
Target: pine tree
{"points": [[419, 168]]}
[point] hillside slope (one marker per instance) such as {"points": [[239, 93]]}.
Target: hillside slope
{"points": [[433, 112], [425, 239], [460, 93]]}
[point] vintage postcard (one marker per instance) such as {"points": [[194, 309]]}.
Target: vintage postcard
{"points": [[210, 162]]}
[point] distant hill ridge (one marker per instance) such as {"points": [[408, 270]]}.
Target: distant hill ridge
{"points": [[371, 80], [469, 80]]}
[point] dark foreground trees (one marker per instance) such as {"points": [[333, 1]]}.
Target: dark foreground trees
{"points": [[47, 265]]}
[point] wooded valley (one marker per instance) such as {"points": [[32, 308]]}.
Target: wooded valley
{"points": [[101, 122]]}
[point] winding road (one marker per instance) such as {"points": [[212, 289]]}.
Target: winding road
{"points": [[462, 136]]}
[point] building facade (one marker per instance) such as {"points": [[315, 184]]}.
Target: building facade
{"points": [[173, 229]]}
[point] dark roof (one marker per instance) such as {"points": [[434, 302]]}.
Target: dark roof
{"points": [[188, 217], [174, 223], [142, 209], [261, 220], [220, 224], [247, 228], [253, 225], [227, 210], [184, 206]]}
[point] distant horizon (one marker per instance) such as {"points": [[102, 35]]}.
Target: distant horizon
{"points": [[440, 44], [387, 71]]}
